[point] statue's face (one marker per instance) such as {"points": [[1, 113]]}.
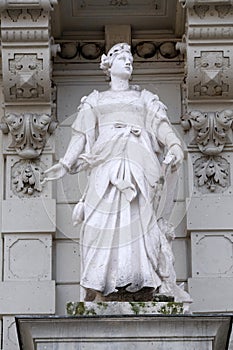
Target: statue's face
{"points": [[122, 65]]}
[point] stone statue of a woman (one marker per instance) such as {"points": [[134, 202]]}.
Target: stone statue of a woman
{"points": [[119, 136]]}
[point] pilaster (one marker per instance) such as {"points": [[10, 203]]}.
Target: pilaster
{"points": [[28, 210], [207, 121]]}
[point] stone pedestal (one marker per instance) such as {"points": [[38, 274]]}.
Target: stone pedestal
{"points": [[126, 308], [160, 332]]}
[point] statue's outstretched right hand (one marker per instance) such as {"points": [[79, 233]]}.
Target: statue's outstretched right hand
{"points": [[56, 172]]}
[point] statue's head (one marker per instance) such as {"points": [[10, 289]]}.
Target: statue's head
{"points": [[107, 60]]}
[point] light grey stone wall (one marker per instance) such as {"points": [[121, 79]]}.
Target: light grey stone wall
{"points": [[39, 247]]}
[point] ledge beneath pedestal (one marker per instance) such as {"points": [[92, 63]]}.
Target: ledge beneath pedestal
{"points": [[176, 332]]}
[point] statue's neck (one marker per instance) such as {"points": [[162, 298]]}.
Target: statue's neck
{"points": [[118, 84]]}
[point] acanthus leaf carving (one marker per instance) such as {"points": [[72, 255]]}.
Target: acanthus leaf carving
{"points": [[212, 173], [211, 129], [27, 177], [29, 133]]}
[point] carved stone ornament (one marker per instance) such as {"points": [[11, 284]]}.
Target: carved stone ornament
{"points": [[211, 174], [78, 51], [222, 10], [192, 3], [201, 10], [29, 132], [118, 2], [25, 71], [211, 66], [26, 178], [33, 4], [211, 129]]}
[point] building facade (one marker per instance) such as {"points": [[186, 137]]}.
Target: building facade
{"points": [[50, 58]]}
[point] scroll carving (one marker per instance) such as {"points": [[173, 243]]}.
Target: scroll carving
{"points": [[211, 133], [29, 133], [211, 129], [26, 178]]}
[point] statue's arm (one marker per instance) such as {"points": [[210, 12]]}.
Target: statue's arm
{"points": [[73, 151], [156, 111], [166, 135], [64, 165]]}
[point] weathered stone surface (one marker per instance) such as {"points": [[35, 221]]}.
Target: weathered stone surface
{"points": [[126, 236], [35, 215], [10, 338], [125, 308], [26, 297], [201, 213], [125, 332], [211, 294]]}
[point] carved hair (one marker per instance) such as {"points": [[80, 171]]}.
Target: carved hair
{"points": [[107, 60]]}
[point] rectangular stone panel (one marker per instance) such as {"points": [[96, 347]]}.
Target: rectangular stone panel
{"points": [[27, 257], [27, 297], [65, 228], [180, 251], [64, 294], [10, 338], [28, 215], [211, 294], [212, 254], [213, 212], [210, 74], [67, 263]]}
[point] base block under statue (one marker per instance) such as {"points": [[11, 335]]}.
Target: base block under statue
{"points": [[126, 308], [127, 332]]}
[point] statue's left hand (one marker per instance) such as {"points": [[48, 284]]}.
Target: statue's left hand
{"points": [[56, 172], [174, 156]]}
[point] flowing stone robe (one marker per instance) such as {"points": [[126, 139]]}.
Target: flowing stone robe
{"points": [[118, 137]]}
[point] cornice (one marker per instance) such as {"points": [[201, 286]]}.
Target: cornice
{"points": [[192, 3], [27, 4]]}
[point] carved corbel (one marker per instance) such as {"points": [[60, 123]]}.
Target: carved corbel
{"points": [[211, 133], [29, 132], [211, 129]]}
